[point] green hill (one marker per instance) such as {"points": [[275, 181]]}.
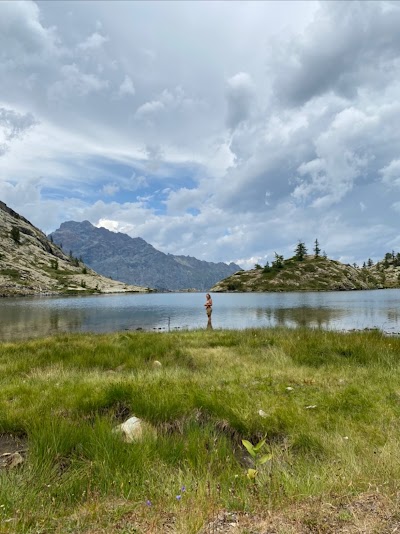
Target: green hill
{"points": [[312, 274]]}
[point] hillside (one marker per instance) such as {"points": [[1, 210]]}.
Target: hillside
{"points": [[312, 274], [30, 264], [134, 261]]}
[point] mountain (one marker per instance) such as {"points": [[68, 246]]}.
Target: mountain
{"points": [[30, 264], [134, 261], [312, 274]]}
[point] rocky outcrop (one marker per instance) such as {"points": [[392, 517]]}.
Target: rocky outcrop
{"points": [[134, 261], [311, 274], [30, 264]]}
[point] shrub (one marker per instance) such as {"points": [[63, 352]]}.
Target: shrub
{"points": [[15, 234]]}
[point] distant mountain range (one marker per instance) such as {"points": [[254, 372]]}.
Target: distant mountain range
{"points": [[134, 261]]}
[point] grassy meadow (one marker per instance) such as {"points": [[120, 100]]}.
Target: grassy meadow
{"points": [[327, 405]]}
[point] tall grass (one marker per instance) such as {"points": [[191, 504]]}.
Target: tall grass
{"points": [[327, 403]]}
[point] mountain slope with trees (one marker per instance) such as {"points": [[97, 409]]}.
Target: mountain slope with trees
{"points": [[134, 261], [316, 272], [30, 264]]}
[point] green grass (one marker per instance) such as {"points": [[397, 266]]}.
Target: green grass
{"points": [[330, 408]]}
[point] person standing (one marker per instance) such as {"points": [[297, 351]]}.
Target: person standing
{"points": [[208, 306]]}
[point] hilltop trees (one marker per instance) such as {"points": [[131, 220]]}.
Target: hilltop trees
{"points": [[278, 263], [300, 251], [317, 250]]}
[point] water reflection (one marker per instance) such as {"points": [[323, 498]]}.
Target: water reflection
{"points": [[303, 316]]}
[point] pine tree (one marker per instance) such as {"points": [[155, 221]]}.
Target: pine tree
{"points": [[278, 263], [317, 250], [267, 267], [300, 251]]}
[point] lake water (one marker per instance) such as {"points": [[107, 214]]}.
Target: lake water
{"points": [[23, 318]]}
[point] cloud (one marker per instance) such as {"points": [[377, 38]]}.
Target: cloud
{"points": [[348, 46], [226, 148], [110, 189], [126, 88], [391, 174], [93, 42], [240, 95], [22, 36], [12, 126], [74, 81], [149, 108]]}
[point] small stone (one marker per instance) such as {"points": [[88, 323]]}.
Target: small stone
{"points": [[131, 429], [156, 363]]}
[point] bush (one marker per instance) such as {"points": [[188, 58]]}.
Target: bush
{"points": [[15, 234]]}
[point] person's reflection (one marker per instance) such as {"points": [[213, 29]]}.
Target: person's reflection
{"points": [[208, 306]]}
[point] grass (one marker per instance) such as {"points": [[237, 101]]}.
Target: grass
{"points": [[329, 405]]}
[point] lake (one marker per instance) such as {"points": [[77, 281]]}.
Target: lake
{"points": [[24, 318]]}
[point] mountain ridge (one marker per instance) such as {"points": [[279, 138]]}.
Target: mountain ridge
{"points": [[133, 260]]}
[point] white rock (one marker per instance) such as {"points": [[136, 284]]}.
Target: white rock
{"points": [[131, 429]]}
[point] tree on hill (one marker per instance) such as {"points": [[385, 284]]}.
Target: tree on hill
{"points": [[317, 250], [300, 251], [278, 263], [267, 267], [370, 262]]}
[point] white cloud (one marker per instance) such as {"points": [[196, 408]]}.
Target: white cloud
{"points": [[75, 82], [240, 95], [93, 42], [149, 108], [110, 189], [126, 88], [391, 174]]}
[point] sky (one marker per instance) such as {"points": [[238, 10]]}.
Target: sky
{"points": [[228, 131]]}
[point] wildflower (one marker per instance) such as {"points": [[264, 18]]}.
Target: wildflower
{"points": [[183, 489], [178, 497], [148, 503]]}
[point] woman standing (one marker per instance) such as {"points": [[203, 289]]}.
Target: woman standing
{"points": [[208, 306]]}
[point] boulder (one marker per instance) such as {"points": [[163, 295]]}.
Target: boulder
{"points": [[131, 430]]}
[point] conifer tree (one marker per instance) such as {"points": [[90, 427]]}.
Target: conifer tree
{"points": [[300, 251], [278, 263], [317, 250]]}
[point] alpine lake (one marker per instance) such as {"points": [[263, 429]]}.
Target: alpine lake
{"points": [[31, 317]]}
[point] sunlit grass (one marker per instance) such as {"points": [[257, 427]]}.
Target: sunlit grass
{"points": [[327, 403]]}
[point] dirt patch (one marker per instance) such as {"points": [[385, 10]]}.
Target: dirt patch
{"points": [[12, 450], [11, 444], [370, 513]]}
